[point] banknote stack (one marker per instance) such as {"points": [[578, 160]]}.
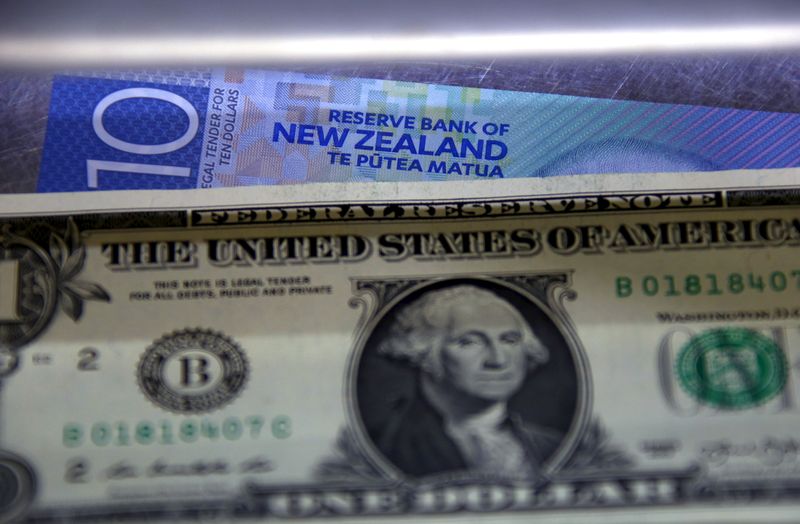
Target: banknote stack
{"points": [[450, 304]]}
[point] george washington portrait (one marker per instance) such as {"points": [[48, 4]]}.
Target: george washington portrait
{"points": [[467, 378]]}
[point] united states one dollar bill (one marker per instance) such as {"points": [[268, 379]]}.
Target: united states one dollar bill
{"points": [[567, 357]]}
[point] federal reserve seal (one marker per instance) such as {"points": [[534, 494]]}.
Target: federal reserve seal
{"points": [[731, 368], [192, 371]]}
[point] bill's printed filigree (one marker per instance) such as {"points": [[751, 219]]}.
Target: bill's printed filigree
{"points": [[69, 256], [39, 280]]}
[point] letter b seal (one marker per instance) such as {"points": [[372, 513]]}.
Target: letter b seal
{"points": [[192, 371]]}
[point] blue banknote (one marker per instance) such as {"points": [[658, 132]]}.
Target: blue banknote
{"points": [[234, 127]]}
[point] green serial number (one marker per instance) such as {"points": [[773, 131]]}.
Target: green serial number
{"points": [[167, 432], [707, 284]]}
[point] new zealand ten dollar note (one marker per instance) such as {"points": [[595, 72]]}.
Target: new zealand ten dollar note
{"points": [[234, 127]]}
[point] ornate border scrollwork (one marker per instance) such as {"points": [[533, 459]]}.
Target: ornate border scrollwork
{"points": [[46, 278], [595, 452]]}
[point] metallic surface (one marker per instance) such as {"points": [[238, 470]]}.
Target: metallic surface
{"points": [[149, 19]]}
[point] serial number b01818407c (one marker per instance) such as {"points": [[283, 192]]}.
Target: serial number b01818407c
{"points": [[168, 432], [708, 284]]}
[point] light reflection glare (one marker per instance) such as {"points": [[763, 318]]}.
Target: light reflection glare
{"points": [[143, 51]]}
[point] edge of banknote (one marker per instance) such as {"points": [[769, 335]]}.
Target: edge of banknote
{"points": [[780, 186]]}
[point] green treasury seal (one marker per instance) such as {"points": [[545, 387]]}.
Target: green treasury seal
{"points": [[731, 368]]}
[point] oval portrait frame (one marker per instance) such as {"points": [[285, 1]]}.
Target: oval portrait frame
{"points": [[378, 305]]}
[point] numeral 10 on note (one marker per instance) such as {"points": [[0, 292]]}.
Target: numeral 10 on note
{"points": [[108, 134], [93, 166]]}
